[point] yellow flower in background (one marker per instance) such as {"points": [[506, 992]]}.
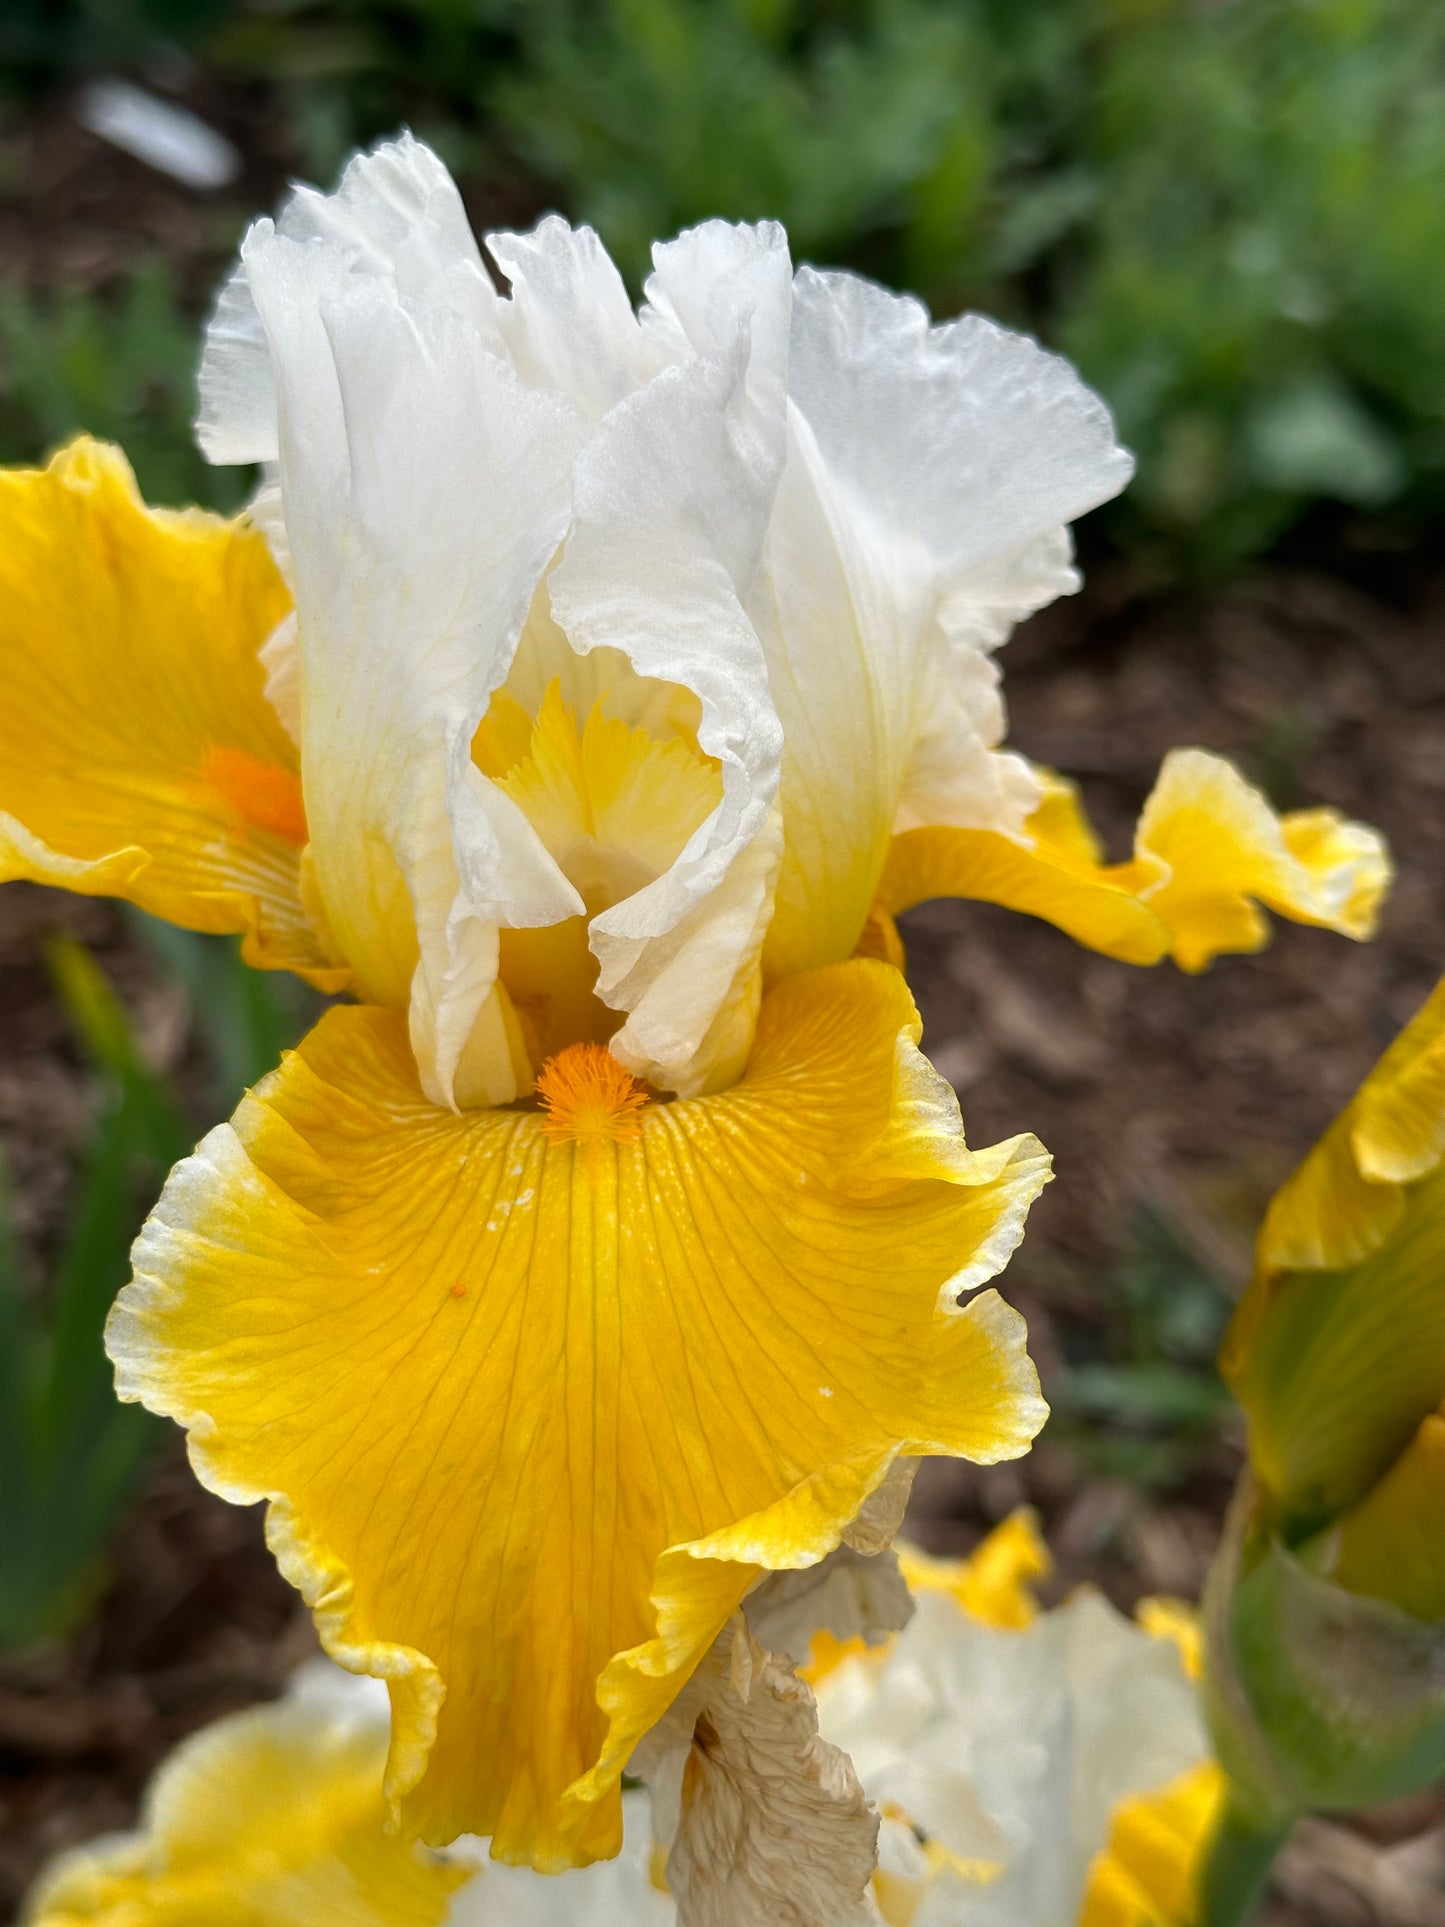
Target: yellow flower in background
{"points": [[1068, 1742], [1327, 1605], [587, 689], [268, 1818], [275, 1818]]}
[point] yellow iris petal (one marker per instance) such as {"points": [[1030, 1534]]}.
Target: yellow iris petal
{"points": [[535, 1413], [1392, 1544], [614, 805], [1226, 850], [271, 1818], [1337, 1350], [1148, 1873], [1060, 878], [995, 1583], [138, 755], [1208, 851]]}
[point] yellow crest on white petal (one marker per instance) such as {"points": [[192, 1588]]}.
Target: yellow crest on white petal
{"points": [[613, 804]]}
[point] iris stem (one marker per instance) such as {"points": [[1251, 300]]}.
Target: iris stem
{"points": [[1236, 1871]]}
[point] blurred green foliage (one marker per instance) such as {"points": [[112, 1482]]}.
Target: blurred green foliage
{"points": [[1229, 215], [1256, 291], [1228, 212], [1150, 1406], [42, 41], [120, 365], [70, 1455]]}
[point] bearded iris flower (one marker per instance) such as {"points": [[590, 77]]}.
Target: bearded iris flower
{"points": [[584, 694]]}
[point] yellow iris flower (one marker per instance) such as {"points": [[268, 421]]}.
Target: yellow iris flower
{"points": [[584, 693]]}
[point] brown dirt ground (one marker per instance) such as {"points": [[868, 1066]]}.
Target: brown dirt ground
{"points": [[1193, 1095]]}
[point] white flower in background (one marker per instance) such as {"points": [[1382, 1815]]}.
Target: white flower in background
{"points": [[999, 1757]]}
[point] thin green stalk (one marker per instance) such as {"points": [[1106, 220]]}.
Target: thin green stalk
{"points": [[1236, 1872]]}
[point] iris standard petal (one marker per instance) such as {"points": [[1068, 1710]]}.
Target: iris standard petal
{"points": [[535, 1413], [929, 473], [396, 211], [1208, 852], [139, 757], [422, 432], [424, 488], [570, 325], [671, 503]]}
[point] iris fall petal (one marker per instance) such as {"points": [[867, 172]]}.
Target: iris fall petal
{"points": [[1208, 852], [139, 756], [535, 1413]]}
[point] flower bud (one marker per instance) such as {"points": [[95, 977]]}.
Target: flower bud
{"points": [[1325, 1612], [1317, 1696]]}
